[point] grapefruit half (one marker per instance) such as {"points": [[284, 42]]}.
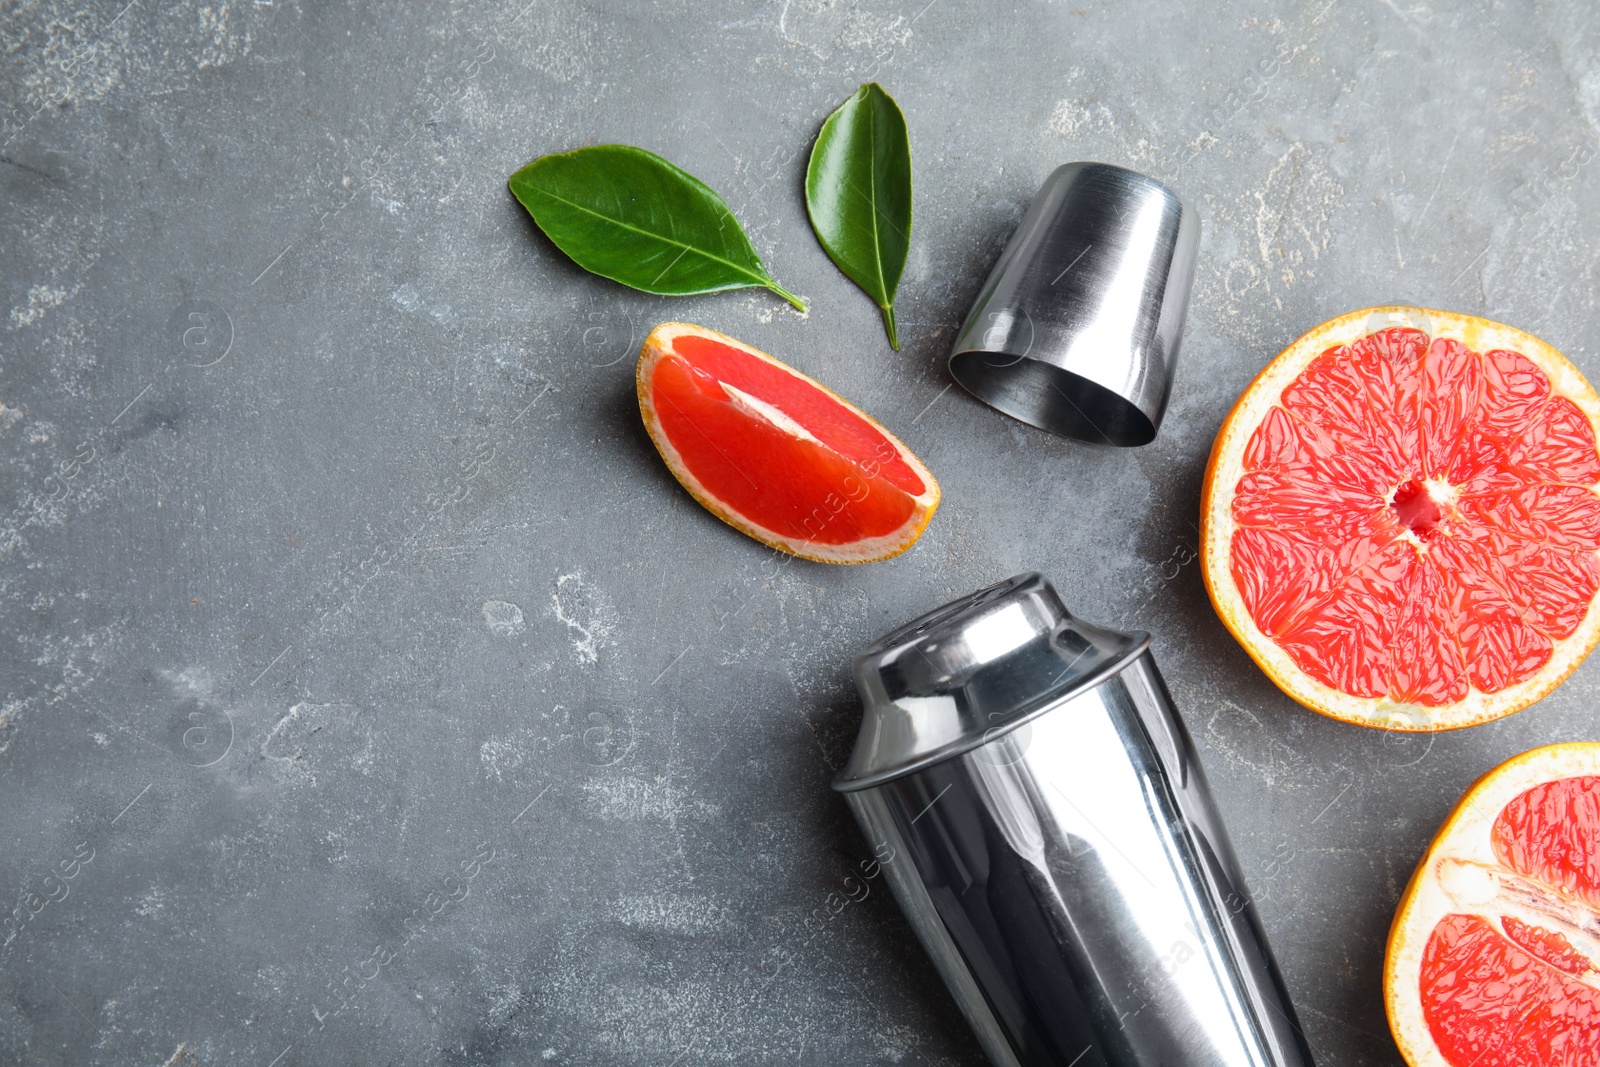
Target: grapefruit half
{"points": [[777, 455], [1400, 519], [1492, 960]]}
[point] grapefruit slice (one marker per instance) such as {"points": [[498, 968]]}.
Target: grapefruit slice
{"points": [[776, 455], [1400, 519], [1494, 956]]}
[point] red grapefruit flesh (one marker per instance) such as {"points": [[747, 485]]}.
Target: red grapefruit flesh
{"points": [[777, 455], [1402, 519], [1493, 957]]}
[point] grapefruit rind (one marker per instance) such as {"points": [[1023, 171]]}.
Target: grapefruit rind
{"points": [[1226, 467], [1466, 834], [869, 550]]}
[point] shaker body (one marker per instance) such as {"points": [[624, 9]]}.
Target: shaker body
{"points": [[1073, 883]]}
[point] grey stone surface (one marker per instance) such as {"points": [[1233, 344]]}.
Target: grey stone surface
{"points": [[406, 709]]}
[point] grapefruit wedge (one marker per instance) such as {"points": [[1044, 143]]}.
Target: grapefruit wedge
{"points": [[1494, 956], [777, 455], [1400, 519]]}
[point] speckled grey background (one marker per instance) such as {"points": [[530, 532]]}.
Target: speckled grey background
{"points": [[387, 701]]}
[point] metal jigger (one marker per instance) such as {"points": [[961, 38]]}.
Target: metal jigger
{"points": [[1077, 329], [1040, 816]]}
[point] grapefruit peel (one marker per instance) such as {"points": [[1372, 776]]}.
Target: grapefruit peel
{"points": [[1226, 467], [1461, 877], [832, 484]]}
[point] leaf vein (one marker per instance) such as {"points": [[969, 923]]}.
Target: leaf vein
{"points": [[758, 279], [872, 171]]}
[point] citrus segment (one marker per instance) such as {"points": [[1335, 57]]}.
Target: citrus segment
{"points": [[1547, 945], [711, 429], [1490, 1004], [1550, 833], [838, 427], [777, 455], [1402, 523], [1492, 959]]}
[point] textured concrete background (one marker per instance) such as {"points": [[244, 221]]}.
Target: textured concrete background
{"points": [[384, 696]]}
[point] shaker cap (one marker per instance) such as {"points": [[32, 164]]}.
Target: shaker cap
{"points": [[1078, 327], [971, 671]]}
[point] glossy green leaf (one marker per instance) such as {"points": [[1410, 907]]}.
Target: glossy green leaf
{"points": [[629, 215], [858, 194]]}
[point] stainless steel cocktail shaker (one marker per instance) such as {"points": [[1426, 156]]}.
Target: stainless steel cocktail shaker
{"points": [[1054, 844]]}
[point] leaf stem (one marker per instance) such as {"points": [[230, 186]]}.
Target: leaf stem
{"points": [[889, 327], [799, 305]]}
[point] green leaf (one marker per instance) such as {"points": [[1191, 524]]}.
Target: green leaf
{"points": [[858, 194], [629, 215]]}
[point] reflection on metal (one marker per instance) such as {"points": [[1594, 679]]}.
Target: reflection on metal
{"points": [[1060, 856], [1078, 327]]}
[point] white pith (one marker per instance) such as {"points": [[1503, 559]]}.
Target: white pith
{"points": [[1495, 892], [658, 345], [1480, 335], [1463, 853], [763, 410], [1441, 492]]}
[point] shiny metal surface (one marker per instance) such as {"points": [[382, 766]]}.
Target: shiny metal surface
{"points": [[970, 671], [1077, 329], [1062, 861]]}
